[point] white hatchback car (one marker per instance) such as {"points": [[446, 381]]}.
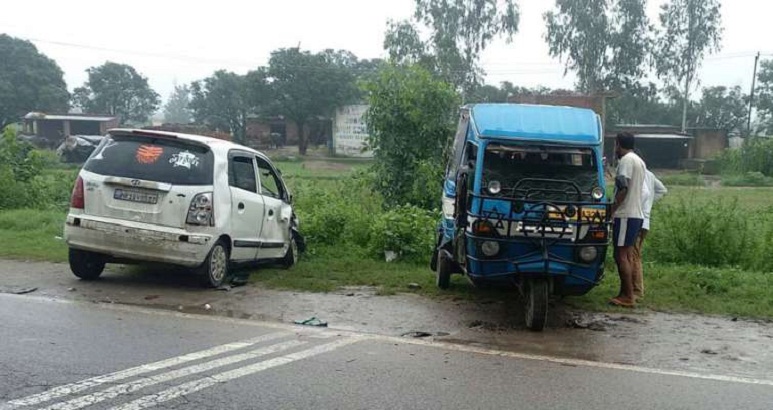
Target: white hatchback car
{"points": [[193, 201]]}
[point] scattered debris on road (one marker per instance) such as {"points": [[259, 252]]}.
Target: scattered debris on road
{"points": [[416, 334], [312, 321]]}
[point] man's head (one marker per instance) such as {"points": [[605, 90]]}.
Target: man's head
{"points": [[624, 143]]}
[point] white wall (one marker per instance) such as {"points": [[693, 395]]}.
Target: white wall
{"points": [[350, 133]]}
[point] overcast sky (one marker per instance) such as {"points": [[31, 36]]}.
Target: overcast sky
{"points": [[175, 41]]}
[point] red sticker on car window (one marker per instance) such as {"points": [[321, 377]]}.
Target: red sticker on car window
{"points": [[148, 154]]}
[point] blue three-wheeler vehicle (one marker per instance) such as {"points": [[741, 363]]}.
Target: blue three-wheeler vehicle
{"points": [[524, 203]]}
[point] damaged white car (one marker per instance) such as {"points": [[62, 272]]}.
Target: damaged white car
{"points": [[193, 201]]}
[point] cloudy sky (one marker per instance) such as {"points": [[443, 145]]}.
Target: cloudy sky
{"points": [[175, 41]]}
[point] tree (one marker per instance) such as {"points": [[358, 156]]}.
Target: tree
{"points": [[723, 108], [606, 42], [644, 104], [459, 31], [690, 29], [220, 102], [29, 81], [764, 99], [117, 89], [410, 122], [177, 110], [307, 86]]}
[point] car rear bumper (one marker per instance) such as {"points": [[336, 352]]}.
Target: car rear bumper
{"points": [[136, 241]]}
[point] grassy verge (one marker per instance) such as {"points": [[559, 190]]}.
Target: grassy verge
{"points": [[32, 235]]}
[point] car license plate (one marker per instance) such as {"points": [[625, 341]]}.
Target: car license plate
{"points": [[135, 196]]}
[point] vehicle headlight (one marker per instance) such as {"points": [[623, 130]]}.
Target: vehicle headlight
{"points": [[494, 187], [589, 253], [597, 193], [490, 248], [570, 211]]}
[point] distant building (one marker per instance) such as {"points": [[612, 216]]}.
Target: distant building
{"points": [[350, 132], [52, 129]]}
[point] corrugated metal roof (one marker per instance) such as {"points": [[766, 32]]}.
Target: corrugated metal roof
{"points": [[663, 136], [67, 117], [546, 123]]}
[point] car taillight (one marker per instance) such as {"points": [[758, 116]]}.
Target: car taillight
{"points": [[78, 199], [201, 211]]}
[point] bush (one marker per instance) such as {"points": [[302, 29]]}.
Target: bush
{"points": [[750, 179], [406, 230], [718, 234], [756, 155], [23, 181]]}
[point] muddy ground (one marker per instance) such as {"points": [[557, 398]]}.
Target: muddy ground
{"points": [[651, 339]]}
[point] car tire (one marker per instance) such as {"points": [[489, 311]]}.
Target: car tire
{"points": [[86, 265], [214, 270], [537, 298], [291, 256]]}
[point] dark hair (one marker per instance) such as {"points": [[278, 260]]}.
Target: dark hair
{"points": [[625, 140]]}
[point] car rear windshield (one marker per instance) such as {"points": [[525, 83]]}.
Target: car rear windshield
{"points": [[153, 159]]}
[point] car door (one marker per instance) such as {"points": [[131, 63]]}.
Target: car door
{"points": [[247, 207], [275, 235]]}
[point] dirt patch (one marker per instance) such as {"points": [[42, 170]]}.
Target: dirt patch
{"points": [[678, 342]]}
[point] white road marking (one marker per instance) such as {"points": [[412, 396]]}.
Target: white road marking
{"points": [[76, 387], [142, 383], [203, 383]]}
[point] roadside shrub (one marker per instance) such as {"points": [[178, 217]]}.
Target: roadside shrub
{"points": [[406, 230], [714, 234], [749, 179], [756, 155]]}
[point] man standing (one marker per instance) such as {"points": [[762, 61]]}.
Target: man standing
{"points": [[652, 191], [628, 215]]}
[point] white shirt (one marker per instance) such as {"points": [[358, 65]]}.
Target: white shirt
{"points": [[652, 191], [632, 168]]}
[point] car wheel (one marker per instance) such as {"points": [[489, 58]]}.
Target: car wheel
{"points": [[214, 271], [86, 265], [291, 257]]}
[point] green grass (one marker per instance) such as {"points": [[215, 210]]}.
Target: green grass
{"points": [[32, 235], [690, 288]]}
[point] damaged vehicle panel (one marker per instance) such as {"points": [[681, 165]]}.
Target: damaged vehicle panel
{"points": [[524, 203], [198, 202]]}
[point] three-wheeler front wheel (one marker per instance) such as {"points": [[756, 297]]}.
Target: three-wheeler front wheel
{"points": [[443, 271], [536, 294]]}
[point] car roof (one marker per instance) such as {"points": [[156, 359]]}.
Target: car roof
{"points": [[215, 144], [542, 123]]}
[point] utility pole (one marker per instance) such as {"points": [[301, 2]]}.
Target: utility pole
{"points": [[751, 95]]}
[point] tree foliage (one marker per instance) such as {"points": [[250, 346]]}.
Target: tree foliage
{"points": [[307, 86], [224, 100], [690, 30], [764, 97], [177, 109], [606, 42], [29, 81], [722, 107], [459, 32], [117, 89], [410, 123]]}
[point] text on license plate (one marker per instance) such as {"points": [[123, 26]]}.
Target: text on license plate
{"points": [[135, 196]]}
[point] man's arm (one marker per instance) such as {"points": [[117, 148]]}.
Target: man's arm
{"points": [[621, 183], [660, 189]]}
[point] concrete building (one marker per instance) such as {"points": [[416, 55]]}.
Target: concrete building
{"points": [[52, 129]]}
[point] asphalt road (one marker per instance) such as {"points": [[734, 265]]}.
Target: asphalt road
{"points": [[71, 355]]}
